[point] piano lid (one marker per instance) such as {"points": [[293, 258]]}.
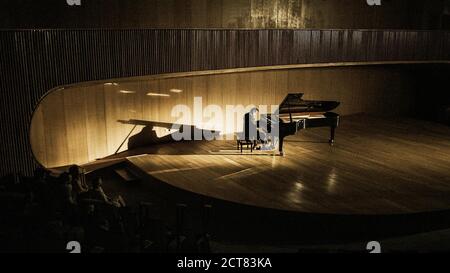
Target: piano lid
{"points": [[293, 103]]}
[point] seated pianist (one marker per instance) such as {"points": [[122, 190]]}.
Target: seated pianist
{"points": [[254, 134], [293, 114]]}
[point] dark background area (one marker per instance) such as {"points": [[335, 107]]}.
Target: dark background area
{"points": [[342, 14], [432, 96]]}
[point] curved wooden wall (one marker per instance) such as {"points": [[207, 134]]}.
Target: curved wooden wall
{"points": [[35, 61], [79, 124]]}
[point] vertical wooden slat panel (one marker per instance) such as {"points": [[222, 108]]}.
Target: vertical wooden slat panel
{"points": [[34, 61]]}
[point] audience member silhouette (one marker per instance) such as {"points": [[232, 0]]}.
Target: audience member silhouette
{"points": [[45, 222], [65, 186], [79, 185], [97, 193]]}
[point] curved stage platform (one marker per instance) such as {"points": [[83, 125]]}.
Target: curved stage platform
{"points": [[383, 176]]}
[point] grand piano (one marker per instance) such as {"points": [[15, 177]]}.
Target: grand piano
{"points": [[295, 114]]}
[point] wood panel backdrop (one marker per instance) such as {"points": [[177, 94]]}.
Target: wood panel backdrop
{"points": [[32, 62], [80, 124]]}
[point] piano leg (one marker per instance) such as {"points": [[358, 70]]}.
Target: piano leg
{"points": [[280, 145], [333, 130]]}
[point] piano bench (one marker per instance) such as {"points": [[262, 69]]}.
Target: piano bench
{"points": [[246, 142]]}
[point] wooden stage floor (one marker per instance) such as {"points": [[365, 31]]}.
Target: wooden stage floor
{"points": [[377, 166]]}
